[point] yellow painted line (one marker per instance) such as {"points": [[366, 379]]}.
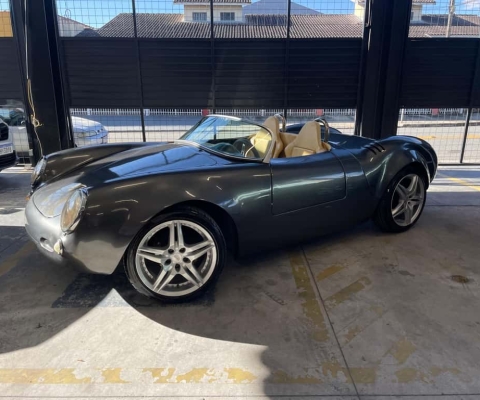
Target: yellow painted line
{"points": [[462, 182], [323, 372], [310, 304], [441, 136], [333, 269], [345, 293], [13, 260], [41, 376], [112, 375]]}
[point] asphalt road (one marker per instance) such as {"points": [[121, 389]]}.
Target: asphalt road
{"points": [[447, 140]]}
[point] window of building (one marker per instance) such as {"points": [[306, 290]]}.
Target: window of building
{"points": [[227, 16], [199, 16]]}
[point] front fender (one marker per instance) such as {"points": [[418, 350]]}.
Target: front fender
{"points": [[118, 209]]}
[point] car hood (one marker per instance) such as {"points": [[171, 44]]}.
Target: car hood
{"points": [[85, 125], [136, 162]]}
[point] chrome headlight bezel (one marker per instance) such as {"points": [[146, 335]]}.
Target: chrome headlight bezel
{"points": [[38, 171], [73, 210]]}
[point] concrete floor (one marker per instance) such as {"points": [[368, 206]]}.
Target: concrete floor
{"points": [[360, 314]]}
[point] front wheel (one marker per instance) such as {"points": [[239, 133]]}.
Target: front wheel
{"points": [[176, 257], [403, 202]]}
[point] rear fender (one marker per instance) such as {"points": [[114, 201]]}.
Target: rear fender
{"points": [[399, 153]]}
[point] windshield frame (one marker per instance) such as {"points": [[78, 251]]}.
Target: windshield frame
{"points": [[265, 159]]}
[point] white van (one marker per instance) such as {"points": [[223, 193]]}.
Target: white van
{"points": [[8, 156]]}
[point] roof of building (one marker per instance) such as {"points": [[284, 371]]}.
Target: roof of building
{"points": [[255, 26], [413, 1], [267, 26], [61, 19], [436, 25], [277, 7], [214, 1]]}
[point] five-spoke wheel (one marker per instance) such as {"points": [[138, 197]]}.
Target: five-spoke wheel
{"points": [[403, 202], [177, 256], [407, 201]]}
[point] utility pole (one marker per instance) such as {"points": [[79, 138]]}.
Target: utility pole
{"points": [[451, 12]]}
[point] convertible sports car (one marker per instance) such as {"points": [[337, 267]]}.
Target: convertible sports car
{"points": [[170, 211]]}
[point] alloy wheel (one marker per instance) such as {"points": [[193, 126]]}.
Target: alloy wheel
{"points": [[408, 199], [176, 258]]}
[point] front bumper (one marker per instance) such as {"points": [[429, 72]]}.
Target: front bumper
{"points": [[8, 160], [101, 138], [49, 238]]}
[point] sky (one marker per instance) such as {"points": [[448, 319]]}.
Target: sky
{"points": [[98, 12]]}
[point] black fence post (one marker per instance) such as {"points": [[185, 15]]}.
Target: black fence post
{"points": [[139, 69], [473, 86], [212, 54], [287, 59], [18, 25]]}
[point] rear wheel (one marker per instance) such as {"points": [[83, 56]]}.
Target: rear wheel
{"points": [[403, 202], [177, 257]]}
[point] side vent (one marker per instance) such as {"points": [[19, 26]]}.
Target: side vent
{"points": [[374, 147]]}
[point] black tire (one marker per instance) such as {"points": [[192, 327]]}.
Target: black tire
{"points": [[191, 214], [383, 217]]}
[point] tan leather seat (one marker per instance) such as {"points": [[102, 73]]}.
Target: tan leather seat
{"points": [[307, 142], [273, 124]]}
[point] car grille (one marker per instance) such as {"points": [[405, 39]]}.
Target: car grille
{"points": [[3, 132], [374, 147]]}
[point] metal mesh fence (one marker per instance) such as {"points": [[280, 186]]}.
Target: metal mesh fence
{"points": [[445, 18], [257, 19], [443, 128], [95, 126], [342, 119], [472, 143], [86, 18]]}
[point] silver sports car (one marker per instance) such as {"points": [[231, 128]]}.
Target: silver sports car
{"points": [[169, 212]]}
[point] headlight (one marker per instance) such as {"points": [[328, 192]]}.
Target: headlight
{"points": [[86, 133], [38, 171], [73, 210]]}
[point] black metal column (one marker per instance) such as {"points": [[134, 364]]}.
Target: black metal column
{"points": [[139, 68], [43, 77], [389, 24], [18, 25]]}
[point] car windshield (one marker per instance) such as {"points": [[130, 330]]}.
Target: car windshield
{"points": [[231, 136]]}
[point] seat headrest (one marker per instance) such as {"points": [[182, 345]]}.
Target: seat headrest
{"points": [[307, 142], [273, 124]]}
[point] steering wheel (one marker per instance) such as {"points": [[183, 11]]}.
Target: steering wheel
{"points": [[226, 148], [243, 145]]}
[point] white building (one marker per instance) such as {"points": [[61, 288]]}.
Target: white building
{"points": [[223, 10], [415, 16]]}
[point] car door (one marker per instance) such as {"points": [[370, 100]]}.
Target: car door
{"points": [[301, 182]]}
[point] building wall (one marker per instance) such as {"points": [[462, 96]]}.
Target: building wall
{"points": [[68, 27], [417, 13], [359, 10], [217, 9], [5, 24]]}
